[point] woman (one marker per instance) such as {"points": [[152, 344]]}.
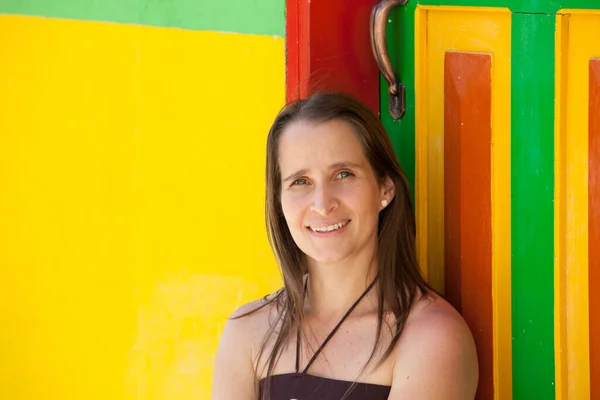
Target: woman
{"points": [[355, 319]]}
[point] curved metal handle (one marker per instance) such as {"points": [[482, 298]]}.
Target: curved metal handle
{"points": [[379, 16]]}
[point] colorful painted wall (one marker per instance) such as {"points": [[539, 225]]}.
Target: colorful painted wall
{"points": [[131, 166]]}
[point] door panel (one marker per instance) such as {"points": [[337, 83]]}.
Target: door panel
{"points": [[577, 199], [532, 164], [467, 199], [545, 313], [463, 173]]}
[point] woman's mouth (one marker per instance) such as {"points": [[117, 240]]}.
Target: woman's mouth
{"points": [[329, 228]]}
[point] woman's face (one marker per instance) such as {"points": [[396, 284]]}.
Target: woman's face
{"points": [[330, 196]]}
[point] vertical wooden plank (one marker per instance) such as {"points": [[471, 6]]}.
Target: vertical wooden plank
{"points": [[467, 192], [329, 49], [560, 214], [576, 204], [292, 37], [532, 181], [594, 224], [452, 183], [475, 31], [297, 57], [402, 37]]}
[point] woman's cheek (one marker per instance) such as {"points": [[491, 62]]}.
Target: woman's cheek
{"points": [[290, 206]]}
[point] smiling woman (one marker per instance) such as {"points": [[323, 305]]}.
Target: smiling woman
{"points": [[333, 199], [341, 224]]}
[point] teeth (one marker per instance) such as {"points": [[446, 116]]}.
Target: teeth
{"points": [[330, 227]]}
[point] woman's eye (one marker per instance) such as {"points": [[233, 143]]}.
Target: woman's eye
{"points": [[299, 182], [345, 174]]}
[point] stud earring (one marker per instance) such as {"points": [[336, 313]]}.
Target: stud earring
{"points": [[384, 203]]}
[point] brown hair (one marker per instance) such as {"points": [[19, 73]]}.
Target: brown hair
{"points": [[400, 278]]}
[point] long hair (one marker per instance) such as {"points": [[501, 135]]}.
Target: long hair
{"points": [[400, 278]]}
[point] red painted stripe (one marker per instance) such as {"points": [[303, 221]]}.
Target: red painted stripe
{"points": [[467, 201], [296, 16], [292, 52], [328, 49], [594, 226]]}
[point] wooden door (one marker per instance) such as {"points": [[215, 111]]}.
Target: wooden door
{"points": [[462, 175], [500, 141], [502, 127]]}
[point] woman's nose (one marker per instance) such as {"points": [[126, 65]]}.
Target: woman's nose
{"points": [[323, 201]]}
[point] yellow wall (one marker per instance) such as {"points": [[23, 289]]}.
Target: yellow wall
{"points": [[131, 203]]}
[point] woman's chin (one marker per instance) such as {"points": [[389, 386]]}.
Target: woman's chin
{"points": [[328, 257]]}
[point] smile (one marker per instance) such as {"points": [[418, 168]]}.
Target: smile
{"points": [[329, 228]]}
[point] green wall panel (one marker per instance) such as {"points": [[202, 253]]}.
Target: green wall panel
{"points": [[532, 188], [263, 17], [401, 47]]}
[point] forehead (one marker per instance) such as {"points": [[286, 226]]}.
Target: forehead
{"points": [[314, 146]]}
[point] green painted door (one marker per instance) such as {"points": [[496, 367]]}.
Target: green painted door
{"points": [[499, 142]]}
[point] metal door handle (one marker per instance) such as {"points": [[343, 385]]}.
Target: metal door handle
{"points": [[397, 91]]}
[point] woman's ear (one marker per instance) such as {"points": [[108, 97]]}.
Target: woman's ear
{"points": [[388, 189]]}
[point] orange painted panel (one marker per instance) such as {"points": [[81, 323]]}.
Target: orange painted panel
{"points": [[467, 201], [452, 181], [594, 226]]}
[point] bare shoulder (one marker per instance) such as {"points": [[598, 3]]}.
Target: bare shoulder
{"points": [[434, 318], [435, 356], [235, 360], [248, 325], [252, 318]]}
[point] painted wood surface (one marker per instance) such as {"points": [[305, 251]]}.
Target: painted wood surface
{"points": [[117, 273], [440, 31], [575, 196], [401, 49], [594, 223], [548, 341], [265, 17], [467, 206], [328, 49], [532, 205], [518, 6]]}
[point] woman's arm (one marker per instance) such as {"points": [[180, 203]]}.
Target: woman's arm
{"points": [[234, 375], [436, 357]]}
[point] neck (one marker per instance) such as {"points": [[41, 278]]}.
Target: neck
{"points": [[333, 288]]}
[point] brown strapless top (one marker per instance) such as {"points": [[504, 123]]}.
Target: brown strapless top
{"points": [[302, 386]]}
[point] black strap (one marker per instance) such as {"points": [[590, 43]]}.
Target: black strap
{"points": [[298, 333], [314, 357]]}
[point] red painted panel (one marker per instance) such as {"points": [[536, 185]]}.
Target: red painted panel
{"points": [[328, 48], [452, 193], [594, 226], [467, 201]]}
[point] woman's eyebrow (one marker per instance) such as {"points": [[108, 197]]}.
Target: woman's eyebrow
{"points": [[295, 174], [337, 165], [345, 164]]}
